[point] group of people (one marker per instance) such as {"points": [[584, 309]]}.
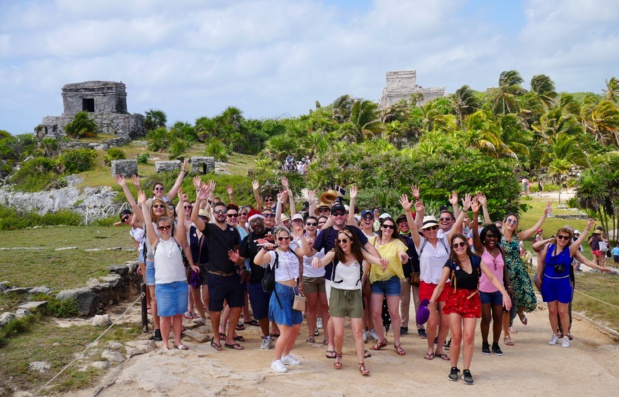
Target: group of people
{"points": [[211, 256]]}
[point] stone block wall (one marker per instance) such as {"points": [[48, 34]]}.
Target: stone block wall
{"points": [[202, 165], [125, 168], [402, 84], [161, 166]]}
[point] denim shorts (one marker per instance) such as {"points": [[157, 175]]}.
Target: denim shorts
{"points": [[141, 257], [493, 298], [172, 298], [390, 287], [150, 273], [284, 315], [259, 301]]}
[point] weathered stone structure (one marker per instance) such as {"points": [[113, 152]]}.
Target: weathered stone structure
{"points": [[106, 101], [125, 168], [202, 165], [402, 84], [172, 165]]}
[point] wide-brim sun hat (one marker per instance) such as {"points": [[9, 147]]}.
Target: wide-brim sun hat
{"points": [[423, 313], [429, 221], [322, 205]]}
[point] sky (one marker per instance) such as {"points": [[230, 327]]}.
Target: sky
{"points": [[276, 58]]}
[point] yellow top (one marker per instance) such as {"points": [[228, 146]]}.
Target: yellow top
{"points": [[389, 251]]}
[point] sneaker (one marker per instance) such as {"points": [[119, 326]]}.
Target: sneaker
{"points": [[553, 340], [157, 337], [403, 330], [447, 344], [422, 333], [266, 343], [566, 341], [319, 323], [290, 360], [278, 366], [316, 333], [372, 335], [453, 374], [485, 348], [467, 377], [496, 349], [365, 336]]}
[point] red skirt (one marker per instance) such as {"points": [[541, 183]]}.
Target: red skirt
{"points": [[463, 302]]}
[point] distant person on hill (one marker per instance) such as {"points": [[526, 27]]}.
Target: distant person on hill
{"points": [[599, 246], [615, 253]]}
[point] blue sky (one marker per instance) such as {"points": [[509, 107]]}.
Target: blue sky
{"points": [[273, 58]]}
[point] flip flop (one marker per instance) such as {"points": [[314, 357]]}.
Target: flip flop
{"points": [[330, 354], [429, 356], [216, 346], [508, 341], [253, 322], [239, 338], [234, 346], [182, 347], [240, 327], [444, 356]]}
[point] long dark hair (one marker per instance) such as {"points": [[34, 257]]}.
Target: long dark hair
{"points": [[355, 247], [452, 255]]}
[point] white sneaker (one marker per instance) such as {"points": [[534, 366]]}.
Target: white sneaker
{"points": [[319, 323], [554, 340], [278, 366], [372, 335], [266, 343], [566, 342], [290, 360], [365, 336]]}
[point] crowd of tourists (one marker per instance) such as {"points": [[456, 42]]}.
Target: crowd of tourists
{"points": [[332, 260]]}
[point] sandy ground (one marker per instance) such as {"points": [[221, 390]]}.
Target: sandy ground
{"points": [[531, 367]]}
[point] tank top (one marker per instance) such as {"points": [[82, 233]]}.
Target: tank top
{"points": [[169, 266], [349, 274], [496, 266], [562, 258]]}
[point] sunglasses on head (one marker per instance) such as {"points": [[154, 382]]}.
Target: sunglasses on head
{"points": [[219, 212], [232, 215], [280, 238], [392, 227], [269, 215], [311, 224], [167, 227], [158, 206], [343, 240], [461, 244], [561, 237]]}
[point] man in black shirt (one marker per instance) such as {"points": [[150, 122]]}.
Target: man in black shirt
{"points": [[224, 283]]}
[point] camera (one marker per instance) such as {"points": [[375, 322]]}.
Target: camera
{"points": [[559, 268]]}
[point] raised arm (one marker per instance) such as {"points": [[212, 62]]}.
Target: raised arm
{"points": [[351, 211], [419, 208], [484, 206], [230, 191], [457, 227], [201, 195], [407, 205], [311, 198], [278, 209], [525, 234], [324, 261], [541, 264], [477, 244], [179, 180], [376, 259], [453, 200], [256, 188], [303, 248], [123, 184], [150, 230], [576, 244], [181, 232], [582, 259]]}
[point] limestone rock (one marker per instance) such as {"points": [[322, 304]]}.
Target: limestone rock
{"points": [[101, 364], [65, 248], [18, 290], [32, 305], [113, 280], [93, 282], [40, 290], [125, 168], [4, 286], [39, 366], [19, 313], [120, 270], [161, 166], [101, 320], [87, 300], [138, 349], [5, 318], [197, 336], [113, 356], [114, 345]]}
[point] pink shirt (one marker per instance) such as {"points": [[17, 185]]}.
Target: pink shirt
{"points": [[496, 266]]}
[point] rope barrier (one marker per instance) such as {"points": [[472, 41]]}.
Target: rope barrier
{"points": [[87, 347], [596, 299]]}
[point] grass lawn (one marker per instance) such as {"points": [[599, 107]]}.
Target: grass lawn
{"points": [[603, 287]]}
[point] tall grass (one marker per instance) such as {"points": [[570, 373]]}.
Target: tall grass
{"points": [[14, 219]]}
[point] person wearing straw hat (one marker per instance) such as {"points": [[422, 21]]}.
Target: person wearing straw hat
{"points": [[598, 245]]}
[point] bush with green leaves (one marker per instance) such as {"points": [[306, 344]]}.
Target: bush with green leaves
{"points": [[177, 148], [62, 307], [13, 219], [217, 149], [35, 174], [114, 153], [143, 158], [82, 126], [77, 160]]}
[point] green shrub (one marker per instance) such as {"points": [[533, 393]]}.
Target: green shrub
{"points": [[14, 219], [143, 158], [82, 126], [215, 148], [61, 308], [177, 148], [572, 202], [158, 139], [15, 327], [35, 174], [114, 154], [77, 160], [108, 221]]}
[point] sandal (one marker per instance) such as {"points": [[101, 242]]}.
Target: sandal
{"points": [[310, 340], [239, 338], [234, 346], [508, 341], [367, 354], [253, 322], [363, 369], [216, 346], [338, 361], [240, 327], [182, 347], [380, 345], [429, 356], [399, 350], [523, 318], [444, 356], [331, 354]]}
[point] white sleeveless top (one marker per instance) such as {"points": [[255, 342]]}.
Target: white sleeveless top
{"points": [[349, 274], [169, 266]]}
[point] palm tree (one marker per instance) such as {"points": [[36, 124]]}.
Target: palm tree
{"points": [[544, 87], [154, 119], [602, 120], [612, 89], [504, 99], [342, 108], [465, 102], [365, 119]]}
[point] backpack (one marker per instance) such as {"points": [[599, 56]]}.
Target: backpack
{"points": [[475, 262], [426, 241], [335, 262], [268, 280]]}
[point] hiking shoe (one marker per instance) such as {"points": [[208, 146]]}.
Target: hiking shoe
{"points": [[467, 377], [447, 344], [266, 343], [278, 366], [319, 323], [453, 375], [553, 340], [403, 330], [496, 349], [372, 335], [157, 337], [290, 360], [422, 333], [485, 348], [566, 341]]}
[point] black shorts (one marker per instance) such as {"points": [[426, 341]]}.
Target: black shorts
{"points": [[224, 288]]}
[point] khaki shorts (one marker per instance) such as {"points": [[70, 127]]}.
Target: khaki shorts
{"points": [[313, 285], [344, 303]]}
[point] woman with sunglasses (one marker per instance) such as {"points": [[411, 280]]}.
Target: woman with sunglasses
{"points": [[463, 305], [385, 282], [433, 253], [287, 283], [523, 294], [491, 298], [346, 297], [170, 277]]}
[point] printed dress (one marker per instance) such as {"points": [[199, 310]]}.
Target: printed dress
{"points": [[524, 295]]}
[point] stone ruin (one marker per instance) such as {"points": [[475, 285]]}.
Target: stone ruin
{"points": [[402, 84], [106, 101]]}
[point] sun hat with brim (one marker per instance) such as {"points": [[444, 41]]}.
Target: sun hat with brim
{"points": [[576, 231], [297, 216], [597, 232], [322, 205], [423, 313], [204, 213], [284, 217], [429, 221]]}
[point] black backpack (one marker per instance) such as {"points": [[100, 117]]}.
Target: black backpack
{"points": [[268, 280]]}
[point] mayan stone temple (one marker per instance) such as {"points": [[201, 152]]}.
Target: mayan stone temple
{"points": [[401, 84], [106, 101]]}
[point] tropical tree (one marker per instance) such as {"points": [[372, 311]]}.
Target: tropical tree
{"points": [[612, 89], [341, 108], [82, 126], [158, 139], [154, 119], [602, 120], [504, 99], [365, 119], [544, 87], [465, 102]]}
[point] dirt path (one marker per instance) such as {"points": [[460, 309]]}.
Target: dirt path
{"points": [[530, 368]]}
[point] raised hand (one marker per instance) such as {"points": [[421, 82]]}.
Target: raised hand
{"points": [[590, 223], [548, 209], [141, 197], [120, 180], [285, 182], [453, 199], [197, 181], [185, 164], [185, 197], [311, 196], [419, 206], [281, 196], [407, 205], [255, 185], [482, 199], [179, 194], [475, 205], [230, 190], [466, 202], [415, 192], [353, 192], [204, 192], [135, 180]]}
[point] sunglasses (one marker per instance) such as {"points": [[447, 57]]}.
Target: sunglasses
{"points": [[345, 241], [563, 237], [368, 218], [220, 212], [124, 219], [243, 214], [324, 210], [268, 199], [461, 244], [232, 215], [283, 238], [187, 207], [511, 222], [431, 228], [158, 206], [338, 214], [269, 215], [311, 224], [392, 227], [491, 236], [444, 219], [168, 227], [158, 189]]}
